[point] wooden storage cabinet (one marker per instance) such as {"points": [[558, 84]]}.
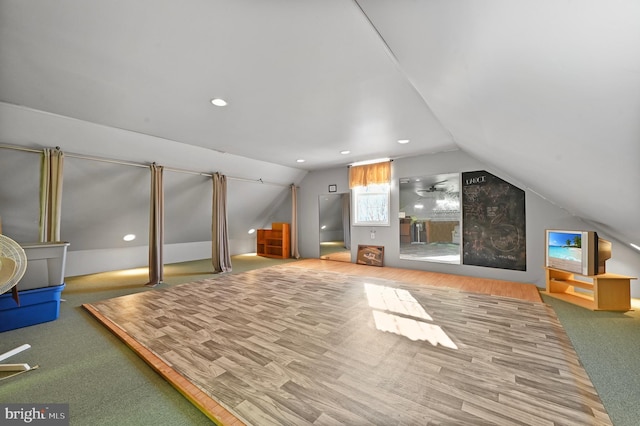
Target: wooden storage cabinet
{"points": [[606, 292], [405, 230], [274, 242]]}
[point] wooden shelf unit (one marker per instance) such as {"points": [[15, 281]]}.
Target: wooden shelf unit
{"points": [[274, 242], [605, 292], [405, 230]]}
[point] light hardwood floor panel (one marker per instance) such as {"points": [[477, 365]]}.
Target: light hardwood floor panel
{"points": [[301, 344]]}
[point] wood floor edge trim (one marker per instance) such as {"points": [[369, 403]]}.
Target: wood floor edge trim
{"points": [[207, 405], [533, 295]]}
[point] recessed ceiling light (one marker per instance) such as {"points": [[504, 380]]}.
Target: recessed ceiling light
{"points": [[219, 102], [300, 160], [129, 237], [403, 141], [251, 231], [345, 152]]}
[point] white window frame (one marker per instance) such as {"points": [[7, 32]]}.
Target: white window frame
{"points": [[366, 196]]}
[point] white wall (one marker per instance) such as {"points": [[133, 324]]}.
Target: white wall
{"points": [[84, 262], [540, 215]]}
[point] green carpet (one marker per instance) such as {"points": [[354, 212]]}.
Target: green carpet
{"points": [[105, 383], [608, 344]]}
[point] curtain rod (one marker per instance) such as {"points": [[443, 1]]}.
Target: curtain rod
{"points": [[137, 164], [105, 160], [192, 172], [20, 148]]}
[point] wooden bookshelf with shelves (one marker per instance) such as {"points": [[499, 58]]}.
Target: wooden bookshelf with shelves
{"points": [[274, 242], [602, 292]]}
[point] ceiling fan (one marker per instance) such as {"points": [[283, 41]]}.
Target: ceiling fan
{"points": [[434, 187]]}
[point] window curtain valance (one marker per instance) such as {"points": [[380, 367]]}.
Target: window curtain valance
{"points": [[370, 174]]}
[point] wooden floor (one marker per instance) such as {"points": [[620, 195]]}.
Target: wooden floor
{"points": [[328, 343], [343, 256], [489, 286]]}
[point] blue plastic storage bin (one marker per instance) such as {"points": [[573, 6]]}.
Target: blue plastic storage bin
{"points": [[36, 306]]}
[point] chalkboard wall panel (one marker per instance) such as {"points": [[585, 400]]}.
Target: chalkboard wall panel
{"points": [[494, 226]]}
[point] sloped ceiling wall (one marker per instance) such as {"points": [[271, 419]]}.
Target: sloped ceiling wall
{"points": [[547, 91]]}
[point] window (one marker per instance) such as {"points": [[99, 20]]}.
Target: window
{"points": [[371, 205], [371, 186]]}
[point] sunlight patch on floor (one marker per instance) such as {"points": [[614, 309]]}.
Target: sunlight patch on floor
{"points": [[397, 311]]}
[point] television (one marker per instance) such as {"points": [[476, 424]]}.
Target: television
{"points": [[580, 252]]}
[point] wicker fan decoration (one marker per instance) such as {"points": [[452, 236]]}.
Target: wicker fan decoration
{"points": [[13, 263]]}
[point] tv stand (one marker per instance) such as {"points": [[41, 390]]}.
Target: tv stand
{"points": [[606, 292]]}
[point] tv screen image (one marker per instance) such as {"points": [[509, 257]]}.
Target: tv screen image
{"points": [[564, 250], [580, 252]]}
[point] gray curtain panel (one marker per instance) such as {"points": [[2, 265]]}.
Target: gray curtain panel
{"points": [[220, 257], [51, 194], [156, 226], [294, 222], [346, 219]]}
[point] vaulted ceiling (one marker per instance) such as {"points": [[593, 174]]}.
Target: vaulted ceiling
{"points": [[546, 91]]}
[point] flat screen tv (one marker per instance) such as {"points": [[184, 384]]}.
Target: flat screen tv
{"points": [[580, 252]]}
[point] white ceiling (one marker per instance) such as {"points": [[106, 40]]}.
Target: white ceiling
{"points": [[547, 91]]}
